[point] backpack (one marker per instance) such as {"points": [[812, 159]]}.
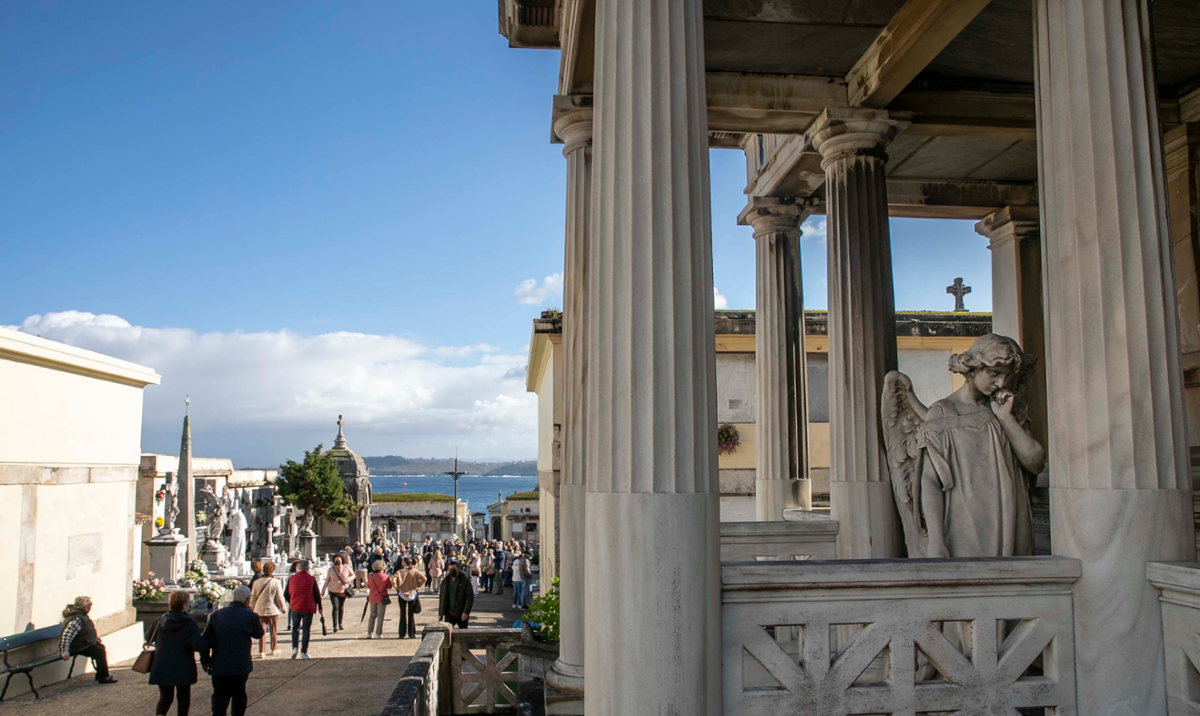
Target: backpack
{"points": [[526, 572]]}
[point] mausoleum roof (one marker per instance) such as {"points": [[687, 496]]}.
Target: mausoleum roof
{"points": [[350, 465]]}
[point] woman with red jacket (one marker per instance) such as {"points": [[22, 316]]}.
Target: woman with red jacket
{"points": [[304, 599]]}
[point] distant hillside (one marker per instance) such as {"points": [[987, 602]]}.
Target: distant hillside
{"points": [[399, 465]]}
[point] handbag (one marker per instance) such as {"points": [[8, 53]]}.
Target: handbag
{"points": [[145, 660], [349, 591], [386, 599], [415, 604]]}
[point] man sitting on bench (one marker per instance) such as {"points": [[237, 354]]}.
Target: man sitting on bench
{"points": [[79, 638]]}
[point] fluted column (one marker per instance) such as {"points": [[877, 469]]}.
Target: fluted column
{"points": [[1014, 239], [862, 327], [1120, 490], [575, 130], [653, 632], [781, 413]]}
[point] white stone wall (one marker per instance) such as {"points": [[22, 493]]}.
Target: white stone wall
{"points": [[735, 387], [70, 433]]}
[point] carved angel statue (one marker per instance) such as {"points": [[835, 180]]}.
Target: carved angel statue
{"points": [[216, 514], [961, 468]]}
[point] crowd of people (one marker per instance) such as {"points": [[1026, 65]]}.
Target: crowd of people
{"points": [[455, 571]]}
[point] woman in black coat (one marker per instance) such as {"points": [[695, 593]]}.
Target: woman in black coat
{"points": [[176, 641]]}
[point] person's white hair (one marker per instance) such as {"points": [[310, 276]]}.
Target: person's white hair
{"points": [[241, 594], [303, 565]]}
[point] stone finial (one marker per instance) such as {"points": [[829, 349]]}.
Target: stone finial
{"points": [[340, 442]]}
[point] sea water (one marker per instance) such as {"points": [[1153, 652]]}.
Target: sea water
{"points": [[478, 491]]}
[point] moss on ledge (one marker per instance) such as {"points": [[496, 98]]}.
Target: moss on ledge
{"points": [[412, 497]]}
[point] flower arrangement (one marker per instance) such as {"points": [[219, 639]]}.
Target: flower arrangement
{"points": [[234, 583], [211, 591], [158, 522], [161, 494], [201, 518], [728, 438], [196, 574], [151, 589]]}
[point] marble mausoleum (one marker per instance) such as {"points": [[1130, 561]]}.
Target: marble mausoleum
{"points": [[1068, 130]]}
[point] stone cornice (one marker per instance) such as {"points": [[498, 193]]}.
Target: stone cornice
{"points": [[26, 348]]}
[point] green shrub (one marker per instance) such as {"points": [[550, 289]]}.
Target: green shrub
{"points": [[544, 613]]}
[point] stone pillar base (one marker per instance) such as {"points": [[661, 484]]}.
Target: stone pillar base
{"points": [[802, 494], [668, 605], [1114, 533], [168, 556], [870, 525], [215, 556], [308, 547], [565, 677]]}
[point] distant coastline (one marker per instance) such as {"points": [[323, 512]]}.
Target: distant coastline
{"points": [[405, 466]]}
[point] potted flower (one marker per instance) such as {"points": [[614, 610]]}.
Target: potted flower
{"points": [[150, 589]]}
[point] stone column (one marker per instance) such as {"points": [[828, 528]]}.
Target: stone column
{"points": [[1014, 238], [862, 327], [575, 130], [781, 416], [654, 646], [1120, 493], [1183, 207]]}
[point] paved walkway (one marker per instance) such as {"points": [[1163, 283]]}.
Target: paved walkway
{"points": [[347, 674]]}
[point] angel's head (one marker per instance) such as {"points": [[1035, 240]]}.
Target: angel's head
{"points": [[989, 362]]}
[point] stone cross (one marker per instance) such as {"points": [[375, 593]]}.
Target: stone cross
{"points": [[958, 290]]}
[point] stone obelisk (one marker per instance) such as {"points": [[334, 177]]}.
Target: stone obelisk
{"points": [[186, 484]]}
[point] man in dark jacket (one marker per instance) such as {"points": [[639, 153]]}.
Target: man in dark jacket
{"points": [[457, 598], [227, 639], [79, 638]]}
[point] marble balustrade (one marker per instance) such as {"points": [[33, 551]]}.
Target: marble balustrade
{"points": [[884, 636], [1178, 584], [778, 541]]}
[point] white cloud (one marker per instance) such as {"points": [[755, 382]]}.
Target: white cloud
{"points": [[530, 293], [814, 229], [719, 301], [261, 397]]}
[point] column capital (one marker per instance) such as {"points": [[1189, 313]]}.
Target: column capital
{"points": [[1012, 223], [840, 132], [571, 121], [770, 214], [574, 129]]}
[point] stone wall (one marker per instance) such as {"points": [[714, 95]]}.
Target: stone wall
{"points": [[70, 432]]}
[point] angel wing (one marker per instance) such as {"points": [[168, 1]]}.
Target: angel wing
{"points": [[902, 415]]}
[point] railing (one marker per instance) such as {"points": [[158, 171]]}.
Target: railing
{"points": [[778, 541], [418, 690], [483, 671], [1179, 584], [899, 636]]}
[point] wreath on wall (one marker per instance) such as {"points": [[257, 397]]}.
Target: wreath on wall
{"points": [[728, 438]]}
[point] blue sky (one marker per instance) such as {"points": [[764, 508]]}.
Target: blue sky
{"points": [[297, 210]]}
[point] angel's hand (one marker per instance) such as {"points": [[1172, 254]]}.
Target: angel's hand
{"points": [[1002, 403]]}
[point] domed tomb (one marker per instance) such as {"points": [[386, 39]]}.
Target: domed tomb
{"points": [[356, 481]]}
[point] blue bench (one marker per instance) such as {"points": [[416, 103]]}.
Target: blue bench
{"points": [[16, 641]]}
